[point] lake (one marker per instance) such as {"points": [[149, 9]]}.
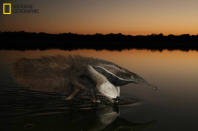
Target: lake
{"points": [[173, 106]]}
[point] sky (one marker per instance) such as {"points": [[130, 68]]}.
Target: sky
{"points": [[134, 17]]}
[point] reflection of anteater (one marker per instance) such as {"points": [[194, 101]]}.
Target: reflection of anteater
{"points": [[69, 75]]}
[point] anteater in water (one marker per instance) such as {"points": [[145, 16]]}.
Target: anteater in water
{"points": [[70, 74]]}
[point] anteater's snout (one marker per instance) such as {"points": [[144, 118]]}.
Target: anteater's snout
{"points": [[116, 100]]}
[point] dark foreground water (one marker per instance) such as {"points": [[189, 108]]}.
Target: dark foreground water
{"points": [[173, 107]]}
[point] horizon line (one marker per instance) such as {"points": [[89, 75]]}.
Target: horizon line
{"points": [[157, 34]]}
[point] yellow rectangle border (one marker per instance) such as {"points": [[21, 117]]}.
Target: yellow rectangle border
{"points": [[6, 13]]}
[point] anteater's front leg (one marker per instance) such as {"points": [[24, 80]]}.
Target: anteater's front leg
{"points": [[94, 97], [77, 87]]}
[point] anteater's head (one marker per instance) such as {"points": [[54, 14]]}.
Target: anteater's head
{"points": [[109, 77]]}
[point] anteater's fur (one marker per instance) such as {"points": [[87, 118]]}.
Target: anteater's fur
{"points": [[56, 73]]}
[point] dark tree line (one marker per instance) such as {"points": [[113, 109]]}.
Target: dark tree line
{"points": [[68, 41]]}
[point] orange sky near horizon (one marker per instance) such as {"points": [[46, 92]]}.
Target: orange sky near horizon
{"points": [[134, 17]]}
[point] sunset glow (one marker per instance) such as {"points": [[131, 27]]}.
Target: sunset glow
{"points": [[135, 17]]}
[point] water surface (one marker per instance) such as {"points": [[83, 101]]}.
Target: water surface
{"points": [[173, 107]]}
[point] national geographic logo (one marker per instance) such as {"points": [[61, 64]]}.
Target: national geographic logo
{"points": [[10, 8], [7, 8]]}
